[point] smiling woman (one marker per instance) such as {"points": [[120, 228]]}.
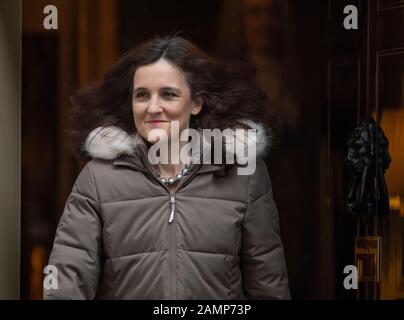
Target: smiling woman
{"points": [[161, 95], [208, 234]]}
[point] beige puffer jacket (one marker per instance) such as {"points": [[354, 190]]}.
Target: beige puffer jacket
{"points": [[115, 241]]}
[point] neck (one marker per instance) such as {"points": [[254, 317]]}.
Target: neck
{"points": [[169, 170], [174, 165]]}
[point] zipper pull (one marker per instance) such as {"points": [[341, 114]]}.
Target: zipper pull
{"points": [[172, 202]]}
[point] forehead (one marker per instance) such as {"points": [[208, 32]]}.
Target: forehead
{"points": [[159, 73]]}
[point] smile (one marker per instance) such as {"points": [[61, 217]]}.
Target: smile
{"points": [[156, 121]]}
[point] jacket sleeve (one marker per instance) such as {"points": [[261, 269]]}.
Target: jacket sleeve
{"points": [[262, 258], [77, 248]]}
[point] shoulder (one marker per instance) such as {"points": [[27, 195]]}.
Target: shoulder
{"points": [[259, 180], [96, 165], [252, 183], [95, 170], [101, 180]]}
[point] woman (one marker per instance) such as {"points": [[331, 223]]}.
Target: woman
{"points": [[133, 229]]}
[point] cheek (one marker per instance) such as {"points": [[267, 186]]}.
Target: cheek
{"points": [[183, 111], [138, 116], [138, 111], [182, 115]]}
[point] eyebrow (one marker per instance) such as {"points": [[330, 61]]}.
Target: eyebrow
{"points": [[177, 90]]}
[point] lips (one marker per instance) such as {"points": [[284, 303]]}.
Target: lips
{"points": [[156, 121]]}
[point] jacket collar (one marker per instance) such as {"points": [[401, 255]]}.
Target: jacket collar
{"points": [[113, 143]]}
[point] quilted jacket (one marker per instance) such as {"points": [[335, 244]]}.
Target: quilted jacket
{"points": [[115, 241]]}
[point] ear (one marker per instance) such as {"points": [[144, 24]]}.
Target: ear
{"points": [[197, 106]]}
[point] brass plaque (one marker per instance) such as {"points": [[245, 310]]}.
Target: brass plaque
{"points": [[367, 258]]}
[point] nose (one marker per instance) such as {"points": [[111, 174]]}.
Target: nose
{"points": [[155, 105]]}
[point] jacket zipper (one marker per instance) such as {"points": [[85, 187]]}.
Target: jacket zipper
{"points": [[181, 184], [172, 233], [172, 236], [172, 240], [172, 202], [172, 250]]}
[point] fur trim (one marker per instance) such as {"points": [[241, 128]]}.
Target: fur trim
{"points": [[111, 142], [262, 140]]}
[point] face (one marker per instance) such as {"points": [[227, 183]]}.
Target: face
{"points": [[161, 94]]}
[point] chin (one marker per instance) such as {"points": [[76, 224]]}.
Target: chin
{"points": [[157, 131]]}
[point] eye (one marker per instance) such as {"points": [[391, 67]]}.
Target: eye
{"points": [[140, 94], [169, 94]]}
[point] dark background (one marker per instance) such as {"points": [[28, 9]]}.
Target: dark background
{"points": [[321, 78]]}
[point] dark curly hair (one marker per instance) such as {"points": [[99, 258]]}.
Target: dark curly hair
{"points": [[228, 91]]}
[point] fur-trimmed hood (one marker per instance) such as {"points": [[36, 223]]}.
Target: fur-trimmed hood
{"points": [[110, 142]]}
